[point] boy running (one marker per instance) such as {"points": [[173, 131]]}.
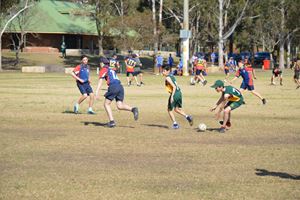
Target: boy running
{"points": [[276, 73], [200, 65], [130, 64], [247, 74], [175, 99], [82, 75], [230, 99], [114, 63], [115, 91], [297, 73]]}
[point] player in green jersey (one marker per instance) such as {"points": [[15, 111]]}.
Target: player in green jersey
{"points": [[230, 99], [175, 99]]}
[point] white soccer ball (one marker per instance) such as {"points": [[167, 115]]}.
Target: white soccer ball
{"points": [[202, 127], [192, 82]]}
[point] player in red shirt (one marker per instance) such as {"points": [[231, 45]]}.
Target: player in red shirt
{"points": [[82, 75], [276, 73], [115, 91], [247, 73]]}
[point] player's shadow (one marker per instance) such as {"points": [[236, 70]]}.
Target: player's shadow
{"points": [[157, 125], [208, 129], [264, 172], [103, 124], [69, 112]]}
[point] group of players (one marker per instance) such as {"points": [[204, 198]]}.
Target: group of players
{"points": [[231, 97]]}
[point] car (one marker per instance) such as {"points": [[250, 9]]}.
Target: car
{"points": [[246, 54], [259, 57]]}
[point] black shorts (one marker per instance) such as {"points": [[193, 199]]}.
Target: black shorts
{"points": [[128, 73], [115, 91], [226, 71], [84, 88], [136, 73], [296, 75]]}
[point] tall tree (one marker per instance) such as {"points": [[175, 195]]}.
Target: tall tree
{"points": [[14, 13]]}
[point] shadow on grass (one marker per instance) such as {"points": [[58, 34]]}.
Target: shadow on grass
{"points": [[156, 125], [264, 172], [71, 112], [103, 124]]}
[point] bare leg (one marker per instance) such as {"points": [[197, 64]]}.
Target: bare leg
{"points": [[180, 111], [226, 116], [256, 94], [108, 110], [82, 98], [92, 97], [123, 106], [141, 77], [171, 114]]}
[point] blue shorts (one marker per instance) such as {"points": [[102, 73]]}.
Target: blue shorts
{"points": [[246, 86], [84, 88], [198, 71], [115, 91], [159, 65]]}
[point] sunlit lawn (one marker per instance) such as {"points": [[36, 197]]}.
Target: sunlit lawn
{"points": [[49, 153]]}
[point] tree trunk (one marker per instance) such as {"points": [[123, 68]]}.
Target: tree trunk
{"points": [[0, 54], [154, 33], [100, 43], [159, 33], [288, 59], [221, 27], [281, 54]]}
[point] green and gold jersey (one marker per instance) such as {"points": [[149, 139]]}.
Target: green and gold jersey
{"points": [[169, 87], [234, 94]]}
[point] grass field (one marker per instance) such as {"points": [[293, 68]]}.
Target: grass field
{"points": [[49, 153]]}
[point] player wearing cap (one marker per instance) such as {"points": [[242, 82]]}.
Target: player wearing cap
{"points": [[115, 91], [230, 99], [247, 73]]}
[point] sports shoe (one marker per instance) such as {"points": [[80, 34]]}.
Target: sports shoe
{"points": [[228, 124], [264, 101], [298, 87], [139, 85], [175, 126], [91, 112], [135, 112], [142, 83], [76, 107], [204, 82], [190, 120], [281, 84], [222, 130], [111, 124]]}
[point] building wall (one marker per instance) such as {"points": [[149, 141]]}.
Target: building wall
{"points": [[53, 41]]}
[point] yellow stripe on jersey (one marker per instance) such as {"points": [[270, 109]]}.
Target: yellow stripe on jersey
{"points": [[233, 98], [169, 87]]}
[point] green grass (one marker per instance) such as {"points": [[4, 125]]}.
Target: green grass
{"points": [[47, 153]]}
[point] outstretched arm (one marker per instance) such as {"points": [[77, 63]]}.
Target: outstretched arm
{"points": [[98, 87]]}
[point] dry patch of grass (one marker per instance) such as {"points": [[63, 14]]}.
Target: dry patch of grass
{"points": [[49, 153]]}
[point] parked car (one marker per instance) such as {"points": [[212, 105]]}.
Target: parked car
{"points": [[259, 57], [246, 54], [235, 56]]}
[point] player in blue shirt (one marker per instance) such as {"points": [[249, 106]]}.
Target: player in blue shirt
{"points": [[82, 75], [115, 91], [159, 63]]}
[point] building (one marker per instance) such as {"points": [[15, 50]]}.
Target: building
{"points": [[49, 23]]}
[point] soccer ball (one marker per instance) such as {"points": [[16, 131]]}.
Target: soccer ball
{"points": [[192, 82], [202, 127]]}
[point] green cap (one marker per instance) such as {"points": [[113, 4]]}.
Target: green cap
{"points": [[218, 83]]}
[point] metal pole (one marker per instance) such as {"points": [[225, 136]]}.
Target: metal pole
{"points": [[185, 41]]}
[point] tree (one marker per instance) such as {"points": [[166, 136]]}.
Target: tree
{"points": [[10, 18]]}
